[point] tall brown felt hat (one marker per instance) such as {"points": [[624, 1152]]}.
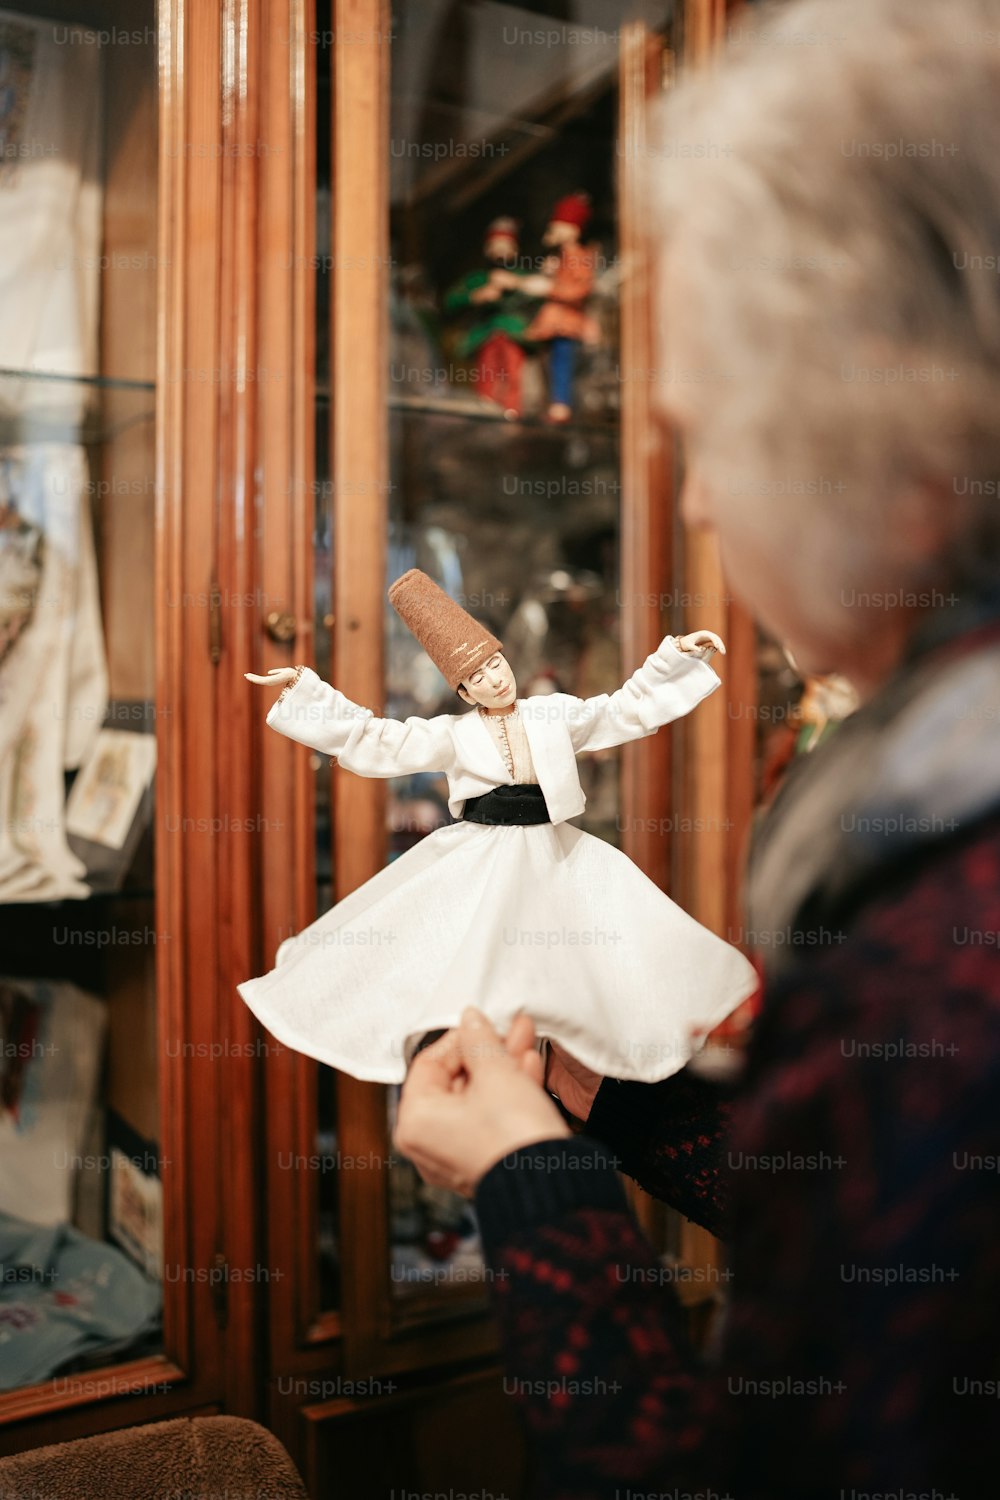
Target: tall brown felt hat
{"points": [[455, 642]]}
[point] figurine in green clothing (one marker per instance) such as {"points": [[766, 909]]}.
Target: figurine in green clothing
{"points": [[495, 336]]}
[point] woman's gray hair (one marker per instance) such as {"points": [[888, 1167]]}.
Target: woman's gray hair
{"points": [[832, 187]]}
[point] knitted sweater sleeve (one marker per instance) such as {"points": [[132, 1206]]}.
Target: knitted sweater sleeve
{"points": [[595, 1347], [671, 1138]]}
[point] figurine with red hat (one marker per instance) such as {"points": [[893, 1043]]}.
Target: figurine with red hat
{"points": [[566, 280], [510, 907], [493, 298]]}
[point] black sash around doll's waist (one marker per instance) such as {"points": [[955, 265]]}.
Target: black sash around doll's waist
{"points": [[508, 806]]}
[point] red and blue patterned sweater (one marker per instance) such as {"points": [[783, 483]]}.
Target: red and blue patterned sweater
{"points": [[856, 1173]]}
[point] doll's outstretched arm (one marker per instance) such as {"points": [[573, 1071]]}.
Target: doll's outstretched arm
{"points": [[314, 713], [668, 685]]}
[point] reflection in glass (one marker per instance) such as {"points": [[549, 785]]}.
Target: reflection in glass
{"points": [[81, 1211]]}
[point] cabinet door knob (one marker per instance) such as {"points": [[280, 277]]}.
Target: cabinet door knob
{"points": [[280, 627]]}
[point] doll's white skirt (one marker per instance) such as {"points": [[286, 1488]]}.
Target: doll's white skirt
{"points": [[543, 918]]}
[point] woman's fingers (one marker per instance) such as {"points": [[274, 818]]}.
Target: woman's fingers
{"points": [[521, 1036], [533, 1064], [437, 1066], [480, 1044]]}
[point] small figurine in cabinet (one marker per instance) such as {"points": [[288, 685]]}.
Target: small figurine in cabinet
{"points": [[495, 334], [565, 281]]}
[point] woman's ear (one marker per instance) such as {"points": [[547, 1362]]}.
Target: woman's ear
{"points": [[465, 696]]}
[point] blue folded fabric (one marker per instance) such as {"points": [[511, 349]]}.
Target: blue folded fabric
{"points": [[63, 1295]]}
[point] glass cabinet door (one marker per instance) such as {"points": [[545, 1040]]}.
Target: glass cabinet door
{"points": [[507, 497], [472, 208], [81, 1203]]}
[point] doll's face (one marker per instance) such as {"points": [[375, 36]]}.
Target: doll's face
{"points": [[558, 232], [501, 248], [492, 685]]}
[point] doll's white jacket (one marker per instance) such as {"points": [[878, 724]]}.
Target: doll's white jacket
{"points": [[669, 684]]}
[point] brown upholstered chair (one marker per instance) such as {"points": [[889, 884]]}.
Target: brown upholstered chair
{"points": [[203, 1457]]}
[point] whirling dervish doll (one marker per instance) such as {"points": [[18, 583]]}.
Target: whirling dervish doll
{"points": [[511, 907]]}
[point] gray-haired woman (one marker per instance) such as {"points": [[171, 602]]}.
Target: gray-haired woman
{"points": [[831, 209]]}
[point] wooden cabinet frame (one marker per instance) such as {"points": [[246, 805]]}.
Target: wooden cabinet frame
{"points": [[205, 425], [371, 1336]]}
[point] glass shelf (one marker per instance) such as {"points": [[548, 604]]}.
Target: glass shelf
{"points": [[104, 382], [486, 411], [127, 894], [38, 406]]}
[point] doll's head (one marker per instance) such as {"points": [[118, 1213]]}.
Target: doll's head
{"points": [[501, 242], [492, 685], [466, 653], [559, 233], [567, 221]]}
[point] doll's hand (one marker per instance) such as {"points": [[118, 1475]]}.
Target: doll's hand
{"points": [[468, 1102], [276, 677], [698, 639]]}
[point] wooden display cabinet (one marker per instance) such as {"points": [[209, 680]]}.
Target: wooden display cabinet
{"points": [[285, 475]]}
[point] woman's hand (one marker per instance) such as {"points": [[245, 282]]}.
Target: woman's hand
{"points": [[469, 1100], [575, 1085], [276, 676]]}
